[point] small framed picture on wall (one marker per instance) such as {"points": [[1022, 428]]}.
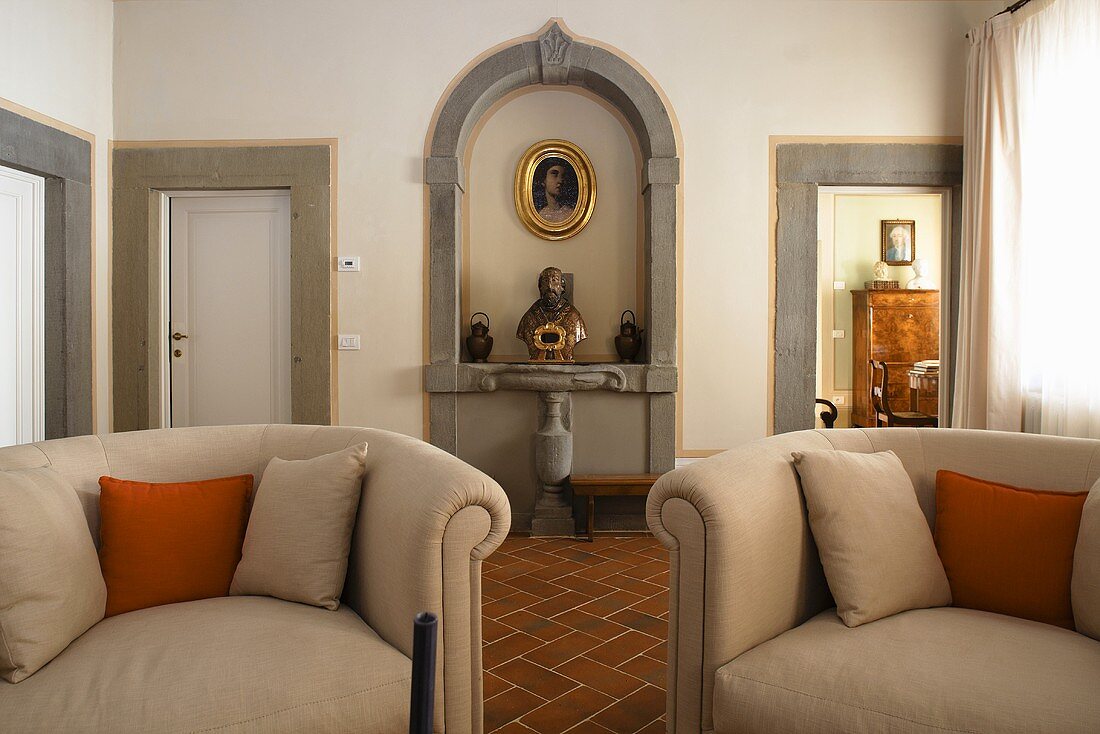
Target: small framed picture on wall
{"points": [[555, 189], [899, 241]]}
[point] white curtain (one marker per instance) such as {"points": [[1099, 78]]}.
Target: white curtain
{"points": [[1029, 335]]}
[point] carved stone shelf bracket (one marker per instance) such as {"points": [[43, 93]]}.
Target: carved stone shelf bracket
{"points": [[535, 377], [481, 377]]}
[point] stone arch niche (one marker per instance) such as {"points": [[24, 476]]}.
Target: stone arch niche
{"points": [[555, 57]]}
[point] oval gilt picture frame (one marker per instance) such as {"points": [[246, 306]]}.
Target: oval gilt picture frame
{"points": [[555, 189]]}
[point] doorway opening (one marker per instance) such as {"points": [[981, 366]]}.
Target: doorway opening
{"points": [[892, 316], [22, 307], [225, 296], [141, 172]]}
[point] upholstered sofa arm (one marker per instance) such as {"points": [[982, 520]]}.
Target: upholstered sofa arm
{"points": [[426, 520], [743, 564]]}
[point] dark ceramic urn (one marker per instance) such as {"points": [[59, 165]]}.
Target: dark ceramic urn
{"points": [[629, 341], [479, 344]]}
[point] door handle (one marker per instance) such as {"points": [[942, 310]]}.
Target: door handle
{"points": [[177, 336]]}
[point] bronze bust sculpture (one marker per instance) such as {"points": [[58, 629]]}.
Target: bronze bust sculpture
{"points": [[552, 327]]}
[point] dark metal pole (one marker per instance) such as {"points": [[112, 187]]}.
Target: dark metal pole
{"points": [[422, 705]]}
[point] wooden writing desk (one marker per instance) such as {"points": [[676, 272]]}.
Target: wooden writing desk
{"points": [[922, 381], [609, 485]]}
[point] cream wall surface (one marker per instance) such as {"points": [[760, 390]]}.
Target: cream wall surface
{"points": [[56, 59], [504, 258], [372, 73]]}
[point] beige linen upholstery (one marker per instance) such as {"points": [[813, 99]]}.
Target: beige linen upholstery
{"points": [[51, 588], [927, 670], [1085, 584], [230, 664], [426, 521], [875, 547], [299, 531], [744, 567], [743, 564]]}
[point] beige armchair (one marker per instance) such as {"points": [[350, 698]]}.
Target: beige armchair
{"points": [[755, 645], [426, 520]]}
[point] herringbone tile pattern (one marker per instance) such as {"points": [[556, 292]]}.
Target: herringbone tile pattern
{"points": [[575, 636]]}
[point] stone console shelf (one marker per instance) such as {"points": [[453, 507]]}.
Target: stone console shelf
{"points": [[492, 376], [553, 439]]}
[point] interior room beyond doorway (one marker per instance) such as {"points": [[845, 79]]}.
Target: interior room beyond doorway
{"points": [[909, 228]]}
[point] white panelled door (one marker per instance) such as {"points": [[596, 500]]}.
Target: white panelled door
{"points": [[229, 329], [22, 319]]}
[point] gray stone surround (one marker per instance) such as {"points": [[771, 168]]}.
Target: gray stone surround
{"points": [[554, 58], [799, 169], [138, 175], [65, 161]]}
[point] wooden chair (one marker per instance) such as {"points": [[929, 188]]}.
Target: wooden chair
{"points": [[828, 416], [880, 402]]}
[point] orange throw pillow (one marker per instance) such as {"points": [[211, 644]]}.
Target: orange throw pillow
{"points": [[1005, 549], [167, 543]]}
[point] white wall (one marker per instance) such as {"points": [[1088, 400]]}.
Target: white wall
{"points": [[56, 58], [371, 73]]}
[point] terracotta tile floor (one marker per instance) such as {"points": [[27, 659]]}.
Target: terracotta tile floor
{"points": [[574, 636]]}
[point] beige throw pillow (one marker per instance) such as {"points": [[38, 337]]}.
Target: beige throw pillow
{"points": [[299, 533], [51, 588], [874, 542], [1084, 589]]}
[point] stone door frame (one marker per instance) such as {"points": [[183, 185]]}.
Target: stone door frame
{"points": [[141, 171], [800, 168], [64, 160]]}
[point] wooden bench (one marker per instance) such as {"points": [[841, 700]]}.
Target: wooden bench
{"points": [[609, 485]]}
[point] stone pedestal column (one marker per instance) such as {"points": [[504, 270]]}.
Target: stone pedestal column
{"points": [[553, 463]]}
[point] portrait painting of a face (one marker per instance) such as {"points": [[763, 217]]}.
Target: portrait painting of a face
{"points": [[899, 241], [555, 189]]}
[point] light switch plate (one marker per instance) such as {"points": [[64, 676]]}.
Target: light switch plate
{"points": [[347, 342], [838, 285], [348, 264], [838, 333]]}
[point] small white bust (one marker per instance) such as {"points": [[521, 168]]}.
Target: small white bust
{"points": [[922, 281], [880, 270]]}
